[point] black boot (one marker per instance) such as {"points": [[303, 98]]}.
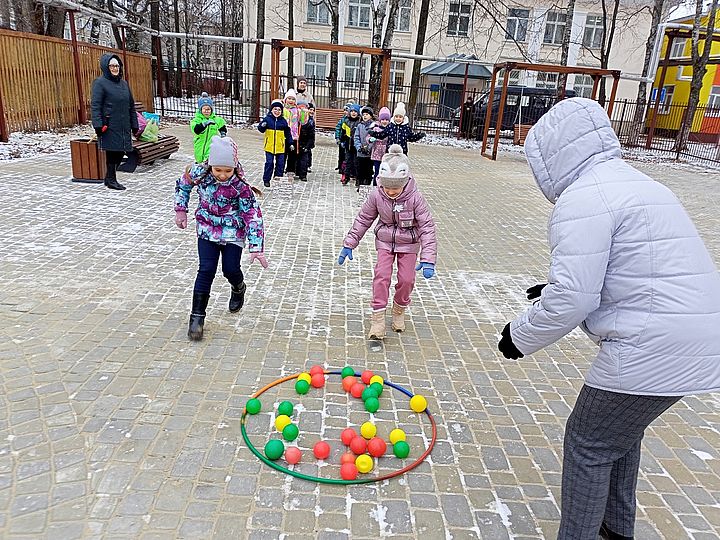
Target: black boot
{"points": [[237, 297], [607, 534], [197, 316], [111, 178]]}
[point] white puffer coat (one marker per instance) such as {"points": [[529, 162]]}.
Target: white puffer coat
{"points": [[627, 264]]}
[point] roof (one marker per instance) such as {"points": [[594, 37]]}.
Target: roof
{"points": [[457, 69]]}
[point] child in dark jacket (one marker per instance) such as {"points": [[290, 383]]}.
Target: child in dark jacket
{"points": [[398, 131], [277, 136], [306, 142], [339, 141], [347, 132], [363, 160]]}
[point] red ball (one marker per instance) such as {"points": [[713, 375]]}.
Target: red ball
{"points": [[316, 369], [348, 382], [318, 380], [357, 389], [377, 447], [321, 450], [348, 471], [358, 446], [366, 376], [293, 455], [347, 457], [347, 436]]}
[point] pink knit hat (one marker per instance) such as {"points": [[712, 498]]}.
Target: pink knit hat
{"points": [[384, 114]]}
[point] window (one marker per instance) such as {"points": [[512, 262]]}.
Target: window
{"points": [[517, 24], [713, 106], [554, 27], [593, 36], [354, 71], [678, 48], [458, 18], [315, 66], [546, 80], [359, 13], [666, 100], [583, 86], [403, 16], [397, 75], [318, 12], [514, 78]]}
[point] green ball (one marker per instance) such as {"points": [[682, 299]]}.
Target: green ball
{"points": [[253, 406], [290, 432], [372, 404], [286, 408], [369, 393], [378, 388], [302, 387], [274, 449], [401, 449], [347, 371]]}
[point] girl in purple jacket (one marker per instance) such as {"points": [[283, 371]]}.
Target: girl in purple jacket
{"points": [[405, 227]]}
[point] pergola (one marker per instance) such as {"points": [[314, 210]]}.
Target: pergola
{"points": [[595, 73]]}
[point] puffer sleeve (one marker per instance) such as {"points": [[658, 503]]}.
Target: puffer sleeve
{"points": [[184, 185], [253, 219], [364, 220], [426, 229]]}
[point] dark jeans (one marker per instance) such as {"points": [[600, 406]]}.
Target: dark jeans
{"points": [[279, 164], [209, 254], [291, 157], [303, 164], [364, 171], [112, 160], [309, 159], [350, 162], [376, 169], [341, 156]]}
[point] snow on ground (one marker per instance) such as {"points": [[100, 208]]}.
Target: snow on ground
{"points": [[25, 144]]}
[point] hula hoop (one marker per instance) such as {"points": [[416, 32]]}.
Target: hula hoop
{"points": [[335, 481]]}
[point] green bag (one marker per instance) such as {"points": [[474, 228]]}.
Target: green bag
{"points": [[150, 133]]}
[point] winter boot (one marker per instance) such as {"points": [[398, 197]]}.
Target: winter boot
{"points": [[111, 179], [343, 179], [237, 297], [197, 316], [607, 534], [377, 325], [398, 317]]}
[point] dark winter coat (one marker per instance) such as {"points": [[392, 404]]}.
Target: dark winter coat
{"points": [[307, 136], [113, 105], [399, 134], [360, 138]]}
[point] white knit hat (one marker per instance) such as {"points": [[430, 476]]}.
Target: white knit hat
{"points": [[290, 93], [395, 168], [223, 152], [399, 109]]}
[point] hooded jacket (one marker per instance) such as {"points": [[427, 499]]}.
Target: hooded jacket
{"points": [[399, 134], [113, 105], [276, 130], [202, 135], [627, 264], [360, 138]]}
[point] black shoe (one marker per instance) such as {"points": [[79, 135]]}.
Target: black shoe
{"points": [[266, 183], [197, 316], [606, 534], [237, 297], [303, 179], [337, 168], [309, 169], [112, 183]]}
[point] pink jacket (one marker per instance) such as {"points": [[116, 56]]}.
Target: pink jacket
{"points": [[405, 225], [379, 147]]}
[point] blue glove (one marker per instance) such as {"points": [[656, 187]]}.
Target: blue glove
{"points": [[345, 252], [372, 139], [428, 269]]}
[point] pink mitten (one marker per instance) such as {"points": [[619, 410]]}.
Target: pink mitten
{"points": [[181, 219], [259, 257]]}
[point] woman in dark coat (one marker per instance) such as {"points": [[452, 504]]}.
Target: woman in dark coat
{"points": [[113, 115]]}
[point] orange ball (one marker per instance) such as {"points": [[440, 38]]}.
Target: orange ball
{"points": [[316, 369], [366, 376], [357, 389], [377, 447], [358, 446], [348, 382], [348, 435], [348, 471], [347, 457], [318, 380], [321, 450], [293, 455]]}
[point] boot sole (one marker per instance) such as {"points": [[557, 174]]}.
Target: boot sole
{"points": [[397, 329], [194, 336]]}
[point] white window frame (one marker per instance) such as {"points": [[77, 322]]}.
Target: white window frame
{"points": [[713, 104], [404, 15], [554, 27], [517, 25], [667, 102], [546, 80], [593, 32], [678, 49], [357, 71], [583, 86], [359, 13], [316, 60], [318, 12], [459, 12], [397, 75]]}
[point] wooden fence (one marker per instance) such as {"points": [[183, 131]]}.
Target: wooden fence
{"points": [[38, 87]]}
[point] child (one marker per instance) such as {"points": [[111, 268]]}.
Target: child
{"points": [[311, 117], [277, 135], [398, 131], [227, 215], [306, 142], [338, 138], [405, 228], [295, 118], [378, 147], [348, 130], [205, 126], [362, 147]]}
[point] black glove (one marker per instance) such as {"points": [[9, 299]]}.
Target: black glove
{"points": [[99, 131], [506, 345], [534, 291]]}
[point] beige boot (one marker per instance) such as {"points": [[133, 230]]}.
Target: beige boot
{"points": [[377, 325], [398, 317]]}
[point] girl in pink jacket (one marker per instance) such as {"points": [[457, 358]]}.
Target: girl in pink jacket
{"points": [[405, 228]]}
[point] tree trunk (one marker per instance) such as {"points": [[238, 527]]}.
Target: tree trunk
{"points": [[419, 49], [55, 22], [291, 52], [257, 68], [178, 50], [5, 14], [116, 31], [376, 62], [334, 9], [606, 45], [565, 51]]}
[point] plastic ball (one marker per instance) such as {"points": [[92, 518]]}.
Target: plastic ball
{"points": [[274, 449], [347, 457], [358, 446], [368, 430], [366, 376], [348, 471], [401, 449], [347, 435], [347, 371], [316, 369], [290, 432], [377, 387], [318, 380], [348, 382], [377, 379], [397, 435], [372, 405], [377, 447], [281, 421], [364, 463], [321, 450], [302, 387], [357, 389], [253, 406], [286, 408], [304, 377], [418, 403], [368, 393], [293, 455]]}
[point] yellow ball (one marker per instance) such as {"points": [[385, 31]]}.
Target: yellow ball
{"points": [[397, 435], [304, 377], [377, 379], [368, 430], [364, 463], [281, 422], [418, 403]]}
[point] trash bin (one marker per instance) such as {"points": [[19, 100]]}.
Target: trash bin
{"points": [[88, 161]]}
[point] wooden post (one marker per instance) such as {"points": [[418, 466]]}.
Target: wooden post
{"points": [[159, 75], [596, 82], [4, 133], [275, 49], [124, 53], [501, 111], [462, 100], [613, 93], [488, 110], [385, 77], [82, 111], [661, 83]]}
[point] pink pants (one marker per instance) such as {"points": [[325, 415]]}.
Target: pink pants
{"points": [[383, 275]]}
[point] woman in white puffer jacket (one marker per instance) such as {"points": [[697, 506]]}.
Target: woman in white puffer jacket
{"points": [[628, 267]]}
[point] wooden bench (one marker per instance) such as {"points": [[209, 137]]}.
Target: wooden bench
{"points": [[328, 118]]}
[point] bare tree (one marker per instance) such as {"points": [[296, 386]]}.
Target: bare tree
{"points": [[5, 14], [565, 47], [291, 52], [257, 67], [419, 49], [381, 16], [334, 9]]}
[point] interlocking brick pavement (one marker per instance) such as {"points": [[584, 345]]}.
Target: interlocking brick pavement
{"points": [[113, 425]]}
